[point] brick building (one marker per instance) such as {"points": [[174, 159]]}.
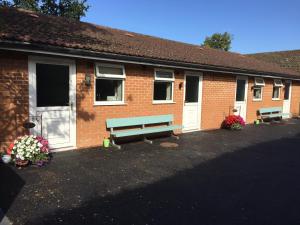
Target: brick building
{"points": [[68, 77]]}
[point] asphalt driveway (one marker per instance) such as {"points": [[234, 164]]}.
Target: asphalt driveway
{"points": [[212, 178]]}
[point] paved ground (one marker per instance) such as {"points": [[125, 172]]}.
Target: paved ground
{"points": [[212, 178]]}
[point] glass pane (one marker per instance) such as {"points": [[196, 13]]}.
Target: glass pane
{"points": [[162, 90], [52, 85], [278, 83], [110, 70], [259, 82], [191, 88], [257, 93], [108, 90], [164, 74], [275, 92], [287, 91], [240, 90]]}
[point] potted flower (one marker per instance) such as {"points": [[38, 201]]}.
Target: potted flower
{"points": [[233, 122], [29, 149], [6, 158]]}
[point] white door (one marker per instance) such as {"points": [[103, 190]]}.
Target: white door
{"points": [[52, 93], [287, 98], [240, 104], [192, 102]]}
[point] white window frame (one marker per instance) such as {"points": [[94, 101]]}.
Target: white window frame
{"points": [[110, 77], [158, 79], [258, 83], [278, 81], [261, 95], [279, 86]]}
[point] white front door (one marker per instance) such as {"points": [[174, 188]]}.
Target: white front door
{"points": [[240, 104], [287, 98], [192, 102], [52, 93]]}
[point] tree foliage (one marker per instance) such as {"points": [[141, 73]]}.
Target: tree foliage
{"points": [[219, 41], [68, 8]]}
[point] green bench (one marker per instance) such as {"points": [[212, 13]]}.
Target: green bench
{"points": [[271, 113], [143, 123]]}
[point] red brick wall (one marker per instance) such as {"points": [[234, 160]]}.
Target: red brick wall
{"points": [[13, 96], [217, 99], [218, 93], [253, 106], [91, 127]]}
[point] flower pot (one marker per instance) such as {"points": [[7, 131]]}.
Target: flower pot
{"points": [[6, 159], [21, 162], [106, 143]]}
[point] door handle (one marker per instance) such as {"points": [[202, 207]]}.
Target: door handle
{"points": [[71, 106]]}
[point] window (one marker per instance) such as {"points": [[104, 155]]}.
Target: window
{"points": [[276, 89], [191, 89], [287, 88], [259, 81], [163, 86], [258, 88], [52, 85], [240, 90], [109, 84], [257, 93]]}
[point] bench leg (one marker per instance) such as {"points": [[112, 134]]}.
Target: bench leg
{"points": [[147, 140], [114, 144], [175, 136]]}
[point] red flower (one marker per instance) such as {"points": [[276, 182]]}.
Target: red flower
{"points": [[233, 119], [10, 147]]}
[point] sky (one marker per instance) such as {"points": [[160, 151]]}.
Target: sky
{"points": [[256, 25]]}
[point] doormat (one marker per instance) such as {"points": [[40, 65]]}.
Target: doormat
{"points": [[168, 145]]}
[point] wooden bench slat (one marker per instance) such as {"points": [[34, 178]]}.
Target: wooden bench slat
{"points": [[147, 130], [270, 110], [141, 120], [272, 115]]}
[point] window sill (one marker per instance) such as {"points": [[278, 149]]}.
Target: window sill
{"points": [[257, 100], [162, 102], [109, 103], [276, 99]]}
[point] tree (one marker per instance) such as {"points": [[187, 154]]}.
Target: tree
{"points": [[219, 41], [74, 9]]}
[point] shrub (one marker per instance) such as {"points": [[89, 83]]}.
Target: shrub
{"points": [[29, 148], [233, 122]]}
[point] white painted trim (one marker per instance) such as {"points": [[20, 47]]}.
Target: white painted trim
{"points": [[141, 63], [32, 61], [99, 103], [164, 79], [262, 92], [200, 91], [290, 97], [246, 94], [257, 84], [279, 93], [172, 81], [98, 75], [158, 102], [122, 102]]}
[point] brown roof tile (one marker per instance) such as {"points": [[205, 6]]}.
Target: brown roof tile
{"points": [[286, 59], [26, 26]]}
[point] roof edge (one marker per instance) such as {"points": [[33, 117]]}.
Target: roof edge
{"points": [[104, 56]]}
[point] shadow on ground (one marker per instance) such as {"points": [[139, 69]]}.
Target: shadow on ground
{"points": [[256, 185], [11, 185]]}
